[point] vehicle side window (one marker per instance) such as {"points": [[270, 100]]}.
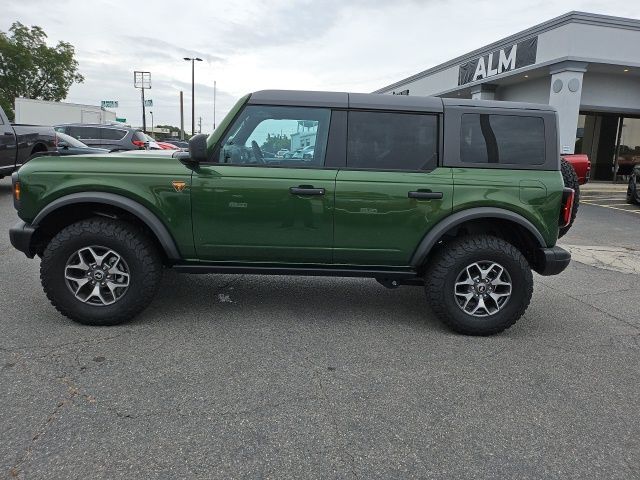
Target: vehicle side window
{"points": [[504, 139], [81, 133], [392, 141], [260, 132], [112, 134]]}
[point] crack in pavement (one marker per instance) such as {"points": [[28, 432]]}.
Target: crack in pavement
{"points": [[72, 393], [583, 301]]}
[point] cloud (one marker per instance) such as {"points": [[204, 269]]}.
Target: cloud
{"points": [[355, 45]]}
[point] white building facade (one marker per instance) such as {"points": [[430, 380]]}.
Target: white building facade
{"points": [[585, 65]]}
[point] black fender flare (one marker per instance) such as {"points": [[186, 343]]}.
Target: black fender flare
{"points": [[434, 235], [125, 203]]}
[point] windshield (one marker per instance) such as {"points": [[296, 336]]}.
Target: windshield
{"points": [[69, 140]]}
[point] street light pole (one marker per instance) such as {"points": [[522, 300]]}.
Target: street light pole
{"points": [[193, 61], [151, 112]]}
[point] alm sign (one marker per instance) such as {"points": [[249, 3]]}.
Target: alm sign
{"points": [[506, 59]]}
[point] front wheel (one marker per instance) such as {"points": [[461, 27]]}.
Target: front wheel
{"points": [[479, 285], [100, 271]]}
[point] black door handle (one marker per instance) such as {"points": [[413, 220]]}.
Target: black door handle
{"points": [[306, 191], [425, 195]]}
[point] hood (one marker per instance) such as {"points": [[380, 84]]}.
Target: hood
{"points": [[143, 162]]}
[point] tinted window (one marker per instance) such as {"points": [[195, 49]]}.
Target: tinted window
{"points": [[505, 139], [80, 133], [112, 134], [392, 141], [139, 136], [261, 131]]}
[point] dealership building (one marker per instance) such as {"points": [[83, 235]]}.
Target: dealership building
{"points": [[585, 65]]}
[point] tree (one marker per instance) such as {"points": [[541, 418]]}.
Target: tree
{"points": [[276, 142], [31, 69]]}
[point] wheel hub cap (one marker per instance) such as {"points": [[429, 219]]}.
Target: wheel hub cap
{"points": [[482, 288], [97, 275]]}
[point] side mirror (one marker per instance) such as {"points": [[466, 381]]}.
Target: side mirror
{"points": [[198, 148], [63, 144]]}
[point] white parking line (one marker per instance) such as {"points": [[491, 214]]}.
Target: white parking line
{"points": [[636, 211]]}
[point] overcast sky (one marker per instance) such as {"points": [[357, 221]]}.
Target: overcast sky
{"points": [[348, 45]]}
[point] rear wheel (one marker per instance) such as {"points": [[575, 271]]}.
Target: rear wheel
{"points": [[479, 285], [570, 180], [100, 271]]}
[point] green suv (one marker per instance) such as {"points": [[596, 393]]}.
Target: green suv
{"points": [[462, 197]]}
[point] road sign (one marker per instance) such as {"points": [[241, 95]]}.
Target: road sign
{"points": [[121, 120], [148, 103], [109, 104], [141, 79]]}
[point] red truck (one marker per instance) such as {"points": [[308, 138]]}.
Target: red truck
{"points": [[581, 164]]}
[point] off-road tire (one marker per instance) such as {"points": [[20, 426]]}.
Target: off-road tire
{"points": [[570, 180], [131, 243], [452, 258]]}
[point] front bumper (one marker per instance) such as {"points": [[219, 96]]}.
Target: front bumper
{"points": [[20, 236], [552, 261]]}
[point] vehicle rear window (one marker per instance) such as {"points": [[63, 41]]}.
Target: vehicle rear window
{"points": [[504, 139], [139, 136], [392, 141], [113, 134], [81, 133]]}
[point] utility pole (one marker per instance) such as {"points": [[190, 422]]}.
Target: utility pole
{"points": [[142, 80], [181, 117], [151, 112], [214, 104], [193, 61], [199, 124]]}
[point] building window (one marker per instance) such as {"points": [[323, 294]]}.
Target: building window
{"points": [[505, 139]]}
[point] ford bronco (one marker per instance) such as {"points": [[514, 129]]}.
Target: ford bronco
{"points": [[462, 197]]}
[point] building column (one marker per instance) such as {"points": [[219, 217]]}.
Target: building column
{"points": [[565, 94], [484, 91]]}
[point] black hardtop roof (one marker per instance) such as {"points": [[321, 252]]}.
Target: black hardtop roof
{"points": [[376, 101]]}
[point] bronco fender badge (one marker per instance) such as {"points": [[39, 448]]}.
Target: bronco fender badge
{"points": [[178, 185]]}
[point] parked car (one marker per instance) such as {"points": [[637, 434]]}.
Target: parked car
{"points": [[20, 142], [377, 200], [112, 137], [177, 143], [151, 143], [67, 145], [581, 164], [167, 146], [281, 153], [633, 191]]}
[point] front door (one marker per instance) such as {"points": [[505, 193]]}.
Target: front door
{"points": [[250, 205], [391, 193]]}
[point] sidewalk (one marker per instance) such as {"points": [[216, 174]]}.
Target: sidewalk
{"points": [[604, 187]]}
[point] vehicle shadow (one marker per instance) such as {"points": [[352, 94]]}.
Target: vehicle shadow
{"points": [[316, 299]]}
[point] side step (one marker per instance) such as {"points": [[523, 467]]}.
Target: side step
{"points": [[401, 276]]}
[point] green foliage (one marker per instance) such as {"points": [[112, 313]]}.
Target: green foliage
{"points": [[275, 143], [30, 68]]}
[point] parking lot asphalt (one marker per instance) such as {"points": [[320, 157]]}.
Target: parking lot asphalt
{"points": [[285, 377]]}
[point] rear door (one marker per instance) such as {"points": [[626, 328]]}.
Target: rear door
{"points": [[249, 206], [392, 191]]}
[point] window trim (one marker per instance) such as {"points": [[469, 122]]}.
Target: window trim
{"points": [[439, 143]]}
